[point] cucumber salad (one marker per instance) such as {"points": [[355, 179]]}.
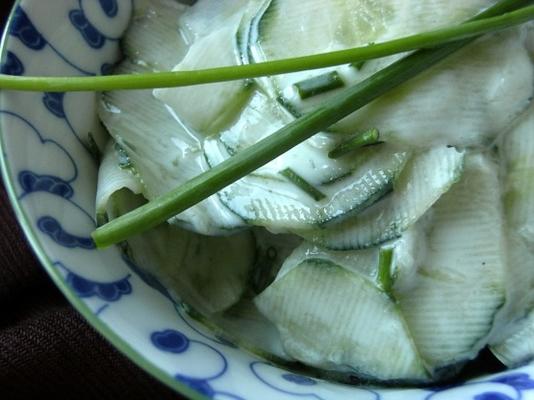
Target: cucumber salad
{"points": [[392, 247]]}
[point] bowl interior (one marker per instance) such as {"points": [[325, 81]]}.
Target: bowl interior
{"points": [[49, 143]]}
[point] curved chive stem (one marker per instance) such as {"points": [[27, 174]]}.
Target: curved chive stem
{"points": [[385, 265], [302, 184], [344, 103], [366, 138], [489, 23]]}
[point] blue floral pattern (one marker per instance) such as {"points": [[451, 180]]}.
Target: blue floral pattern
{"points": [[110, 7], [30, 182], [54, 103], [12, 65], [49, 168], [107, 291], [51, 226], [93, 37], [22, 28]]}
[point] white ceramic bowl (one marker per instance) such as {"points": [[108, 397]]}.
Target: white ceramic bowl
{"points": [[50, 173]]}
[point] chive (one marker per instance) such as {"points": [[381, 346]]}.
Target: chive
{"points": [[385, 264], [358, 64], [319, 84], [366, 138], [489, 23], [302, 184], [342, 104]]}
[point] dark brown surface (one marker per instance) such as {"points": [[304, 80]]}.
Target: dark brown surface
{"points": [[46, 348]]}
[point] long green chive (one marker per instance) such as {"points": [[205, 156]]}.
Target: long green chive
{"points": [[490, 22], [366, 138], [259, 154], [302, 184]]}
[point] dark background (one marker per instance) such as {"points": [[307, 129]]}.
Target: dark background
{"points": [[46, 348]]}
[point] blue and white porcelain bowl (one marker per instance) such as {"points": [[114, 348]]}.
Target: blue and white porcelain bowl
{"points": [[50, 172]]}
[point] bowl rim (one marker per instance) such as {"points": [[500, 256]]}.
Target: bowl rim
{"points": [[24, 222]]}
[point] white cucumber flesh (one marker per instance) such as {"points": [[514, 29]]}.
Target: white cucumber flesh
{"points": [[421, 183]]}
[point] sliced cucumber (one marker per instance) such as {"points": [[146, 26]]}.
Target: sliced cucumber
{"points": [[111, 179], [517, 151], [210, 273], [208, 108], [280, 205], [514, 343], [163, 152], [318, 27], [205, 16], [250, 329], [260, 118], [464, 101], [269, 198], [338, 319], [426, 177], [517, 348], [271, 251], [153, 37], [460, 286]]}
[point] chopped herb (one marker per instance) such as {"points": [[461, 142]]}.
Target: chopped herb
{"points": [[358, 64], [366, 138], [302, 184], [385, 266], [318, 85]]}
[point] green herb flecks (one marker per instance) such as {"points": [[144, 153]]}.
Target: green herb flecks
{"points": [[385, 266], [302, 184], [319, 84], [366, 138]]}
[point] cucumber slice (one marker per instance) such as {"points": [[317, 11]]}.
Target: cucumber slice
{"points": [[517, 348], [205, 16], [210, 273], [426, 177], [111, 179], [336, 318], [517, 151], [530, 38], [281, 206], [268, 198], [514, 344], [250, 329], [163, 152], [460, 286], [208, 108], [153, 37], [320, 26], [272, 251], [464, 101], [260, 118]]}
